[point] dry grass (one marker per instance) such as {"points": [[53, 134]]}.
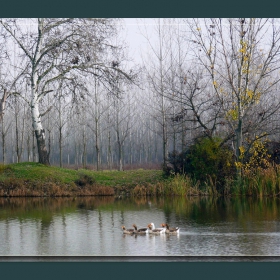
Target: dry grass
{"points": [[179, 185], [52, 190], [12, 187], [263, 182]]}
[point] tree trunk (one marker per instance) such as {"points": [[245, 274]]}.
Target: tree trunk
{"points": [[44, 156], [84, 155], [41, 145], [97, 147], [120, 157], [2, 109], [18, 144], [3, 141], [109, 157], [39, 133], [237, 149], [60, 146], [28, 147], [33, 146], [3, 103]]}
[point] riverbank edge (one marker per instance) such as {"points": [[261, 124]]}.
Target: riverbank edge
{"points": [[37, 180]]}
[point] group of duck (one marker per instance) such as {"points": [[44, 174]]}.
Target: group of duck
{"points": [[151, 229]]}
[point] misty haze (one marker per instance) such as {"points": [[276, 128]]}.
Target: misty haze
{"points": [[151, 136]]}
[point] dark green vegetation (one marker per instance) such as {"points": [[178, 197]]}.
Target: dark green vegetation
{"points": [[205, 161], [211, 165]]}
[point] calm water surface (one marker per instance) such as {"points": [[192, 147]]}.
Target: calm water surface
{"points": [[92, 226]]}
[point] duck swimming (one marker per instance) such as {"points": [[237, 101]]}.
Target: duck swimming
{"points": [[170, 230], [154, 230], [140, 230], [128, 231]]}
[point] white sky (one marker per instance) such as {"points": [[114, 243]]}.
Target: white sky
{"points": [[133, 36]]}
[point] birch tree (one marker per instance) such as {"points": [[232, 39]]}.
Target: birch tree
{"points": [[54, 49]]}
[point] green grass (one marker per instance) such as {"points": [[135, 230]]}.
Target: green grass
{"points": [[34, 179], [129, 178], [36, 172]]}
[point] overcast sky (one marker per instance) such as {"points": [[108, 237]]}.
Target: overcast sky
{"points": [[133, 36]]}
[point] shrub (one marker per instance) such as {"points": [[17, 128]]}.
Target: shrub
{"points": [[257, 156], [206, 161], [85, 178]]}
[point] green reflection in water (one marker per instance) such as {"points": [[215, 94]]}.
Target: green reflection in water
{"points": [[199, 210]]}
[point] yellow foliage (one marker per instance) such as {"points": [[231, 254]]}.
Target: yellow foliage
{"points": [[238, 164], [250, 94], [242, 50], [232, 114], [242, 151], [259, 156]]}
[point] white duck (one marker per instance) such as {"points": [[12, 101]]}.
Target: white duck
{"points": [[127, 231], [153, 229], [170, 230], [140, 230]]}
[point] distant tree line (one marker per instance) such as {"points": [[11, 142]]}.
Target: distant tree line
{"points": [[70, 98]]}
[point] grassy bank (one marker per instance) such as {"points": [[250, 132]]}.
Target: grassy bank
{"points": [[34, 179]]}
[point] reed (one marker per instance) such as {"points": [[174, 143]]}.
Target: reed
{"points": [[260, 182], [139, 191], [178, 185], [211, 187]]}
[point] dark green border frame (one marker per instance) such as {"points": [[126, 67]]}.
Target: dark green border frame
{"points": [[106, 270], [143, 8]]}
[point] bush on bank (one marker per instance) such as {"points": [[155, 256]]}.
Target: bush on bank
{"points": [[206, 161], [211, 167], [33, 179]]}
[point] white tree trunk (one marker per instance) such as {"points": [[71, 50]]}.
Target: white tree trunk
{"points": [[39, 131]]}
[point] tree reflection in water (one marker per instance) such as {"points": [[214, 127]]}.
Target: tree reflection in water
{"points": [[92, 225]]}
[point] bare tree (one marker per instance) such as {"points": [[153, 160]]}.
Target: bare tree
{"points": [[156, 69], [54, 49], [241, 57], [121, 123], [96, 110]]}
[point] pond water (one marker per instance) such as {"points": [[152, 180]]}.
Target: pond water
{"points": [[91, 226]]}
